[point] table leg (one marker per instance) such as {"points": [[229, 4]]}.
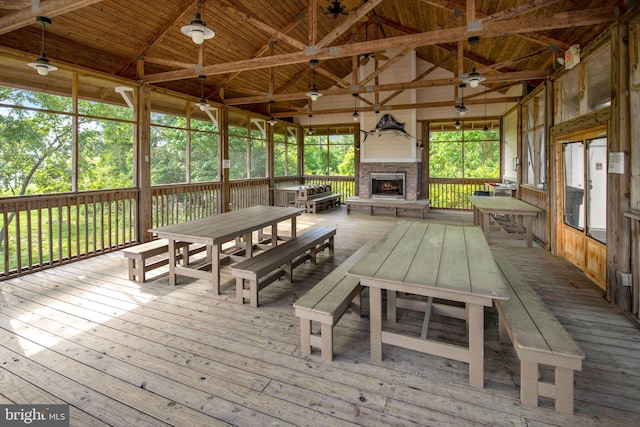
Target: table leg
{"points": [[475, 322], [529, 231], [248, 243], [293, 227], [274, 235], [375, 295], [486, 227], [172, 262], [215, 267]]}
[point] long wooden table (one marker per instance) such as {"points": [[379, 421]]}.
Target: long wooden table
{"points": [[215, 230], [448, 262], [519, 216]]}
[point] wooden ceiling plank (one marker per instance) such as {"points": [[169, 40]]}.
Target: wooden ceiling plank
{"points": [[158, 36], [261, 26], [265, 48], [25, 17], [347, 23], [514, 12], [501, 28]]}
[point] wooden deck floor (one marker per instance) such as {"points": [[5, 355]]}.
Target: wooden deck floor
{"points": [[126, 354]]}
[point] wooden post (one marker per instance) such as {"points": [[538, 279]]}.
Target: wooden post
{"points": [[143, 164]]}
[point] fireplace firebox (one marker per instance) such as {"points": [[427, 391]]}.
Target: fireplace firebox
{"points": [[387, 186]]}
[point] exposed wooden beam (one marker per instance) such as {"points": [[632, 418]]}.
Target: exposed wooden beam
{"points": [[501, 28], [341, 82], [398, 107], [518, 75], [168, 62], [313, 22], [260, 25], [25, 17]]}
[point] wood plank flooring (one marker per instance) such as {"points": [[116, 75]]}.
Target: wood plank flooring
{"points": [[122, 353]]}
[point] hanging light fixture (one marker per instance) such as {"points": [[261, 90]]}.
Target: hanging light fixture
{"points": [[42, 65], [461, 109], [485, 128], [310, 130], [314, 94], [197, 29], [457, 124], [355, 114], [474, 78], [202, 103], [272, 120]]}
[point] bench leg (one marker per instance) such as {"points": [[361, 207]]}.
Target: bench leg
{"points": [[131, 265], [253, 293], [240, 290], [502, 330], [305, 336], [326, 332], [391, 306], [564, 390], [529, 382], [356, 306]]}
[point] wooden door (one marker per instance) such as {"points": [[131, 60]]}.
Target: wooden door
{"points": [[581, 162]]}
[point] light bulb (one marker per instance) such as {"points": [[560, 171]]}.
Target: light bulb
{"points": [[197, 35]]}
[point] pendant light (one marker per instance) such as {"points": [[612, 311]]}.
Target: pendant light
{"points": [[202, 103], [457, 124], [474, 78], [461, 109], [485, 128], [310, 131], [42, 65], [272, 120], [314, 94], [197, 29], [355, 114]]}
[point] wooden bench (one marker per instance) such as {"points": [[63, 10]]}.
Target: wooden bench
{"points": [[268, 266], [323, 202], [420, 205], [316, 198], [539, 339], [326, 302], [138, 255]]}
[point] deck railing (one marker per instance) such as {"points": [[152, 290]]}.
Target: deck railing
{"points": [[172, 204], [42, 231], [451, 193], [345, 185]]}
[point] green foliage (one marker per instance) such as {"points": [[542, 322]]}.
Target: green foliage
{"points": [[329, 155], [464, 154]]}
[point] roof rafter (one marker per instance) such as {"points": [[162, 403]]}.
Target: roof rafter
{"points": [[501, 28], [25, 17]]}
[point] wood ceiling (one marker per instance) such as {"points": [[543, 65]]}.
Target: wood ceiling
{"points": [[262, 49]]}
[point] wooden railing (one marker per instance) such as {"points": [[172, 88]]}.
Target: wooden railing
{"points": [[345, 185], [247, 193], [172, 204], [38, 232], [450, 193]]}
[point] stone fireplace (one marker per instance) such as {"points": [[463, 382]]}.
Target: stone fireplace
{"points": [[387, 185], [409, 173]]}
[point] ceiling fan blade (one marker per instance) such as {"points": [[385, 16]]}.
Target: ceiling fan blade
{"points": [[380, 56], [364, 59]]}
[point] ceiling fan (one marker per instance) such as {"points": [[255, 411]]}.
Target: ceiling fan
{"points": [[336, 9], [379, 55]]}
